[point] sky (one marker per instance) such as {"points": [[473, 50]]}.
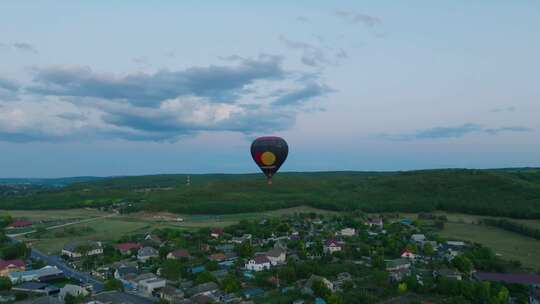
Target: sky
{"points": [[107, 88]]}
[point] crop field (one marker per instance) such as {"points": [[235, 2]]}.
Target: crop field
{"points": [[109, 229], [508, 245], [51, 215]]}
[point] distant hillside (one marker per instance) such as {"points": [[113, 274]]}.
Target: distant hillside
{"points": [[505, 192], [47, 182]]}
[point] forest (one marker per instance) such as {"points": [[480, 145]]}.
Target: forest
{"points": [[504, 192]]}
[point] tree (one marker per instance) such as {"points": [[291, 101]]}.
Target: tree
{"points": [[428, 249], [402, 287], [171, 269], [5, 283], [463, 264], [320, 289], [15, 251], [244, 250], [113, 284], [230, 284], [334, 299], [204, 277]]}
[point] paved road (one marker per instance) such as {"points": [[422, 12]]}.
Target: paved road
{"points": [[69, 272]]}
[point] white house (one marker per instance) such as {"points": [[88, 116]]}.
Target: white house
{"points": [[276, 256], [74, 290], [347, 232], [149, 285], [259, 263], [77, 249], [331, 246]]}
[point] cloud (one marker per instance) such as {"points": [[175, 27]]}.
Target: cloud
{"points": [[73, 103], [506, 109], [302, 95], [24, 47], [8, 89], [314, 55], [219, 83], [302, 19], [450, 132], [358, 18]]}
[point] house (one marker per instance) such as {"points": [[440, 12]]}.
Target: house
{"points": [[74, 290], [128, 248], [331, 246], [407, 254], [77, 249], [347, 232], [216, 232], [374, 222], [197, 269], [251, 293], [153, 239], [43, 274], [418, 238], [242, 239], [178, 254], [259, 263], [217, 257], [126, 274], [397, 264], [36, 288], [8, 266], [146, 253], [171, 294], [203, 289], [276, 256], [449, 274], [226, 248], [43, 300], [149, 284], [20, 223], [117, 297]]}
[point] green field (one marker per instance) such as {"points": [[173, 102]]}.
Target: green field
{"points": [[508, 245], [109, 229]]}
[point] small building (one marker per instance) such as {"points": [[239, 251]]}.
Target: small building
{"points": [[128, 248], [216, 232], [418, 238], [203, 289], [178, 254], [251, 293], [397, 264], [117, 297], [217, 257], [277, 256], [259, 263], [149, 285], [242, 239], [449, 274], [36, 288], [374, 222], [20, 223], [9, 266], [407, 254], [43, 274], [331, 246], [77, 249], [171, 294], [153, 239], [146, 253], [347, 232]]}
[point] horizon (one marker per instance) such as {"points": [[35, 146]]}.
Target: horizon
{"points": [[129, 89], [280, 172]]}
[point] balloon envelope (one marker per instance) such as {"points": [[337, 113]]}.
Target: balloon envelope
{"points": [[269, 153]]}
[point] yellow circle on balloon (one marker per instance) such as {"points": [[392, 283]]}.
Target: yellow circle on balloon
{"points": [[268, 158]]}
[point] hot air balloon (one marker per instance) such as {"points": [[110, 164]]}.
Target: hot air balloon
{"points": [[269, 153]]}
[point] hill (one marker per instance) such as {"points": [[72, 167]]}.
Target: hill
{"points": [[501, 192]]}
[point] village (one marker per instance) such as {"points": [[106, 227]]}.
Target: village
{"points": [[297, 258]]}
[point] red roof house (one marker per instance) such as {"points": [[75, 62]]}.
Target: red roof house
{"points": [[20, 223], [7, 266], [178, 254], [128, 247]]}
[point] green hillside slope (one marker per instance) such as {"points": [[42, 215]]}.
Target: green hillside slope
{"points": [[505, 192]]}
